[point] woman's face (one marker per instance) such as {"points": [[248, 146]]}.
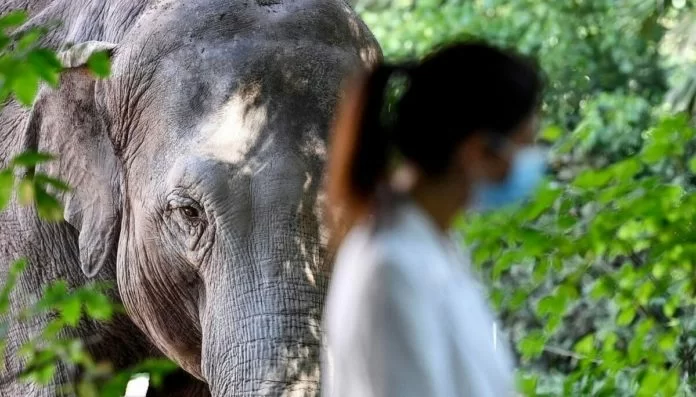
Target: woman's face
{"points": [[478, 161]]}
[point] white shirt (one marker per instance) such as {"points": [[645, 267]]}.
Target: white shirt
{"points": [[404, 317]]}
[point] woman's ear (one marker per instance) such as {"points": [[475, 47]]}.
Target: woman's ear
{"points": [[477, 161]]}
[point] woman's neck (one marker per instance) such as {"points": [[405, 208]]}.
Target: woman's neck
{"points": [[441, 199]]}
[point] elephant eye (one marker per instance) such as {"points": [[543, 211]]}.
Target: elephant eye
{"points": [[190, 212], [187, 207]]}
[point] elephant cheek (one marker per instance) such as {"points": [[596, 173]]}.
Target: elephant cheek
{"points": [[164, 305]]}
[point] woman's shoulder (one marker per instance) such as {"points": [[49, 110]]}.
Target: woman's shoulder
{"points": [[365, 243], [381, 252]]}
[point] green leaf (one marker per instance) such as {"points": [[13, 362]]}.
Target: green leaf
{"points": [[667, 342], [645, 292], [13, 19], [46, 65], [496, 298], [6, 185], [626, 169], [42, 375], [527, 384], [551, 305], [541, 270], [504, 262], [543, 200], [692, 165], [45, 375], [552, 323], [70, 310], [29, 38], [610, 342], [650, 384], [671, 385], [533, 242], [49, 207], [626, 317], [566, 222], [53, 328], [585, 346], [116, 385], [76, 351], [481, 255], [532, 345], [18, 266], [26, 86], [644, 328], [671, 306], [98, 306], [5, 294], [659, 270], [47, 180], [26, 191], [29, 159], [55, 293], [87, 389], [518, 299], [551, 133], [636, 352], [604, 287], [4, 42], [592, 179], [656, 152], [100, 64], [567, 292]]}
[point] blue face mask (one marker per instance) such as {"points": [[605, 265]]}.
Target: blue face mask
{"points": [[525, 175]]}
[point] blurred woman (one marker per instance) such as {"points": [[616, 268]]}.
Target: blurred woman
{"points": [[403, 315]]}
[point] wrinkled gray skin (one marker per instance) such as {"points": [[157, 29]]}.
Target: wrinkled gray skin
{"points": [[197, 170]]}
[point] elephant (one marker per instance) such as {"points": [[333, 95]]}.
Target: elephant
{"points": [[197, 172]]}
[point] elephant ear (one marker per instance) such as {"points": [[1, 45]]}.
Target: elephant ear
{"points": [[66, 121], [78, 55]]}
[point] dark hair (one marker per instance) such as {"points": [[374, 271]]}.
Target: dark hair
{"points": [[456, 91]]}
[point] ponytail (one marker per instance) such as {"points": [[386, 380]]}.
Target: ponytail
{"points": [[496, 89], [360, 147]]}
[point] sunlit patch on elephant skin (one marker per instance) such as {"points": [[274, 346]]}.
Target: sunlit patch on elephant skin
{"points": [[234, 129]]}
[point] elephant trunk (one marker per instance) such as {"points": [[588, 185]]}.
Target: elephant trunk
{"points": [[261, 314], [264, 342]]}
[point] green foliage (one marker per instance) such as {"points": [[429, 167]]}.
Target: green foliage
{"points": [[46, 351], [606, 263], [50, 348], [99, 64], [607, 259], [593, 279], [32, 188], [585, 47], [24, 66]]}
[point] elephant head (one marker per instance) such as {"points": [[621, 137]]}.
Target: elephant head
{"points": [[198, 163]]}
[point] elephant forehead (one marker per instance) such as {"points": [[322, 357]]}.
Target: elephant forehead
{"points": [[235, 128]]}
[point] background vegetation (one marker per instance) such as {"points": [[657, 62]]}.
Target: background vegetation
{"points": [[594, 278]]}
